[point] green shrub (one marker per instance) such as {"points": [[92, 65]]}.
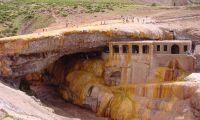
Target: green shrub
{"points": [[28, 17], [153, 4], [64, 14], [75, 6]]}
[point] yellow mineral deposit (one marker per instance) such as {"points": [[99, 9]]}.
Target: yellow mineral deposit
{"points": [[82, 81], [33, 76], [95, 66], [119, 105], [123, 102]]}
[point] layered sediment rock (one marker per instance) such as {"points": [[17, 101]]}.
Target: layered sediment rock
{"points": [[83, 82], [85, 86], [25, 54]]}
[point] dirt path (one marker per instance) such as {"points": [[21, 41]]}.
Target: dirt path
{"points": [[176, 17], [86, 18]]}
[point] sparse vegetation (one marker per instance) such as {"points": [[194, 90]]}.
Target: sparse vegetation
{"points": [[16, 13], [153, 4]]}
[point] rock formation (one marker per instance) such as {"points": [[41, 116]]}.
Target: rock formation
{"points": [[48, 58], [15, 105], [85, 86], [25, 54]]}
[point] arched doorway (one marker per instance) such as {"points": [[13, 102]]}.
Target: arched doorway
{"points": [[175, 49]]}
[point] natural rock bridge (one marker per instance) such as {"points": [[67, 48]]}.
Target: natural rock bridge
{"points": [[83, 81], [30, 53]]}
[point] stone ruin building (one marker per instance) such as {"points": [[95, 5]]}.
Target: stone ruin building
{"points": [[119, 71], [137, 61]]}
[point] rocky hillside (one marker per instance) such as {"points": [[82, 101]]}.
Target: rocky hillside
{"points": [[26, 16]]}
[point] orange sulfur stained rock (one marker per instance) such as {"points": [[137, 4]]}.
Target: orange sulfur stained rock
{"points": [[33, 77], [163, 100]]}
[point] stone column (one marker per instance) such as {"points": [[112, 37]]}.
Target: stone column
{"points": [[110, 54], [140, 48]]}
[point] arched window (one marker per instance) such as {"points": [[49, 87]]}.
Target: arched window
{"points": [[175, 49]]}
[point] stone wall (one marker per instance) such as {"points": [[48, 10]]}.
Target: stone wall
{"points": [[148, 62], [184, 63]]}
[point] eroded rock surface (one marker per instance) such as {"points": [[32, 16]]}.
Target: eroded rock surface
{"points": [[32, 58], [30, 53], [85, 86], [15, 104]]}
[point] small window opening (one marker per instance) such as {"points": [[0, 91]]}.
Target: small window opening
{"points": [[185, 48], [145, 49], [165, 48], [175, 49], [158, 47], [135, 49], [125, 48], [116, 48]]}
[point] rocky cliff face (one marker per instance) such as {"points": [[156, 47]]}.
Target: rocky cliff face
{"points": [[21, 55], [15, 105], [84, 85], [40, 59]]}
